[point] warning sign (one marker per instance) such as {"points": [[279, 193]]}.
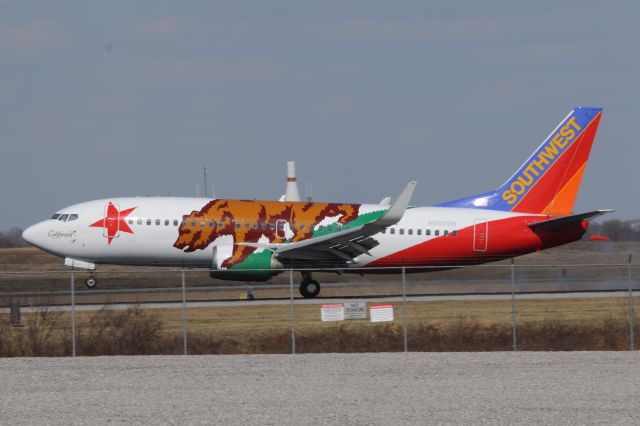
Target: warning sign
{"points": [[381, 313], [332, 312], [355, 310]]}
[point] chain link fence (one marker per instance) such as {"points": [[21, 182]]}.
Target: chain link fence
{"points": [[181, 311]]}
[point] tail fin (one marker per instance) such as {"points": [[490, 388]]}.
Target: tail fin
{"points": [[548, 182]]}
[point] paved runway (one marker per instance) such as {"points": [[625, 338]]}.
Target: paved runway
{"points": [[330, 389], [396, 299]]}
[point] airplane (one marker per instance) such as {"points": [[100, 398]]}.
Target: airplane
{"points": [[252, 240]]}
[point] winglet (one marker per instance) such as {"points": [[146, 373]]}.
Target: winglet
{"points": [[396, 211]]}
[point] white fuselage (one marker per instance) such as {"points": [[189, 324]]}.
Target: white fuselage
{"points": [[154, 223]]}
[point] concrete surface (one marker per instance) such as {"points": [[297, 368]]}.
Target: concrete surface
{"points": [[345, 389]]}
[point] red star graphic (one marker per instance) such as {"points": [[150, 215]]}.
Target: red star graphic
{"points": [[114, 222]]}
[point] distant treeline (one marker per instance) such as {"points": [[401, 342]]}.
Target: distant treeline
{"points": [[12, 238], [617, 230]]}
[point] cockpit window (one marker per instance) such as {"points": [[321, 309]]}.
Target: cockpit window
{"points": [[63, 217], [72, 217], [55, 216]]}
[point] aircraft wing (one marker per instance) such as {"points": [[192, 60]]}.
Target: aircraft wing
{"points": [[560, 223], [349, 243]]}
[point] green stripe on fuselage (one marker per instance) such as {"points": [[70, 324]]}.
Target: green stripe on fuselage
{"points": [[262, 259]]}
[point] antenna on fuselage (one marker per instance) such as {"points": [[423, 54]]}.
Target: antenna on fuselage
{"points": [[205, 181], [309, 187]]}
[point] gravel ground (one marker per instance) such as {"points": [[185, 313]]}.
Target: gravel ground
{"points": [[415, 388]]}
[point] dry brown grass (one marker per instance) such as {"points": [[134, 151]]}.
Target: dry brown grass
{"points": [[580, 324]]}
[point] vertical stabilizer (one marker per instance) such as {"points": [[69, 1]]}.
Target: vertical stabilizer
{"points": [[548, 182], [292, 193]]}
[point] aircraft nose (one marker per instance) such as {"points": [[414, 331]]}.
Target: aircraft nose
{"points": [[32, 234]]}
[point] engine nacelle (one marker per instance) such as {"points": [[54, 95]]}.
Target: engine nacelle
{"points": [[256, 267]]}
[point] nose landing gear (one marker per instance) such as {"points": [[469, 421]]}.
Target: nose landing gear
{"points": [[309, 288], [91, 282]]}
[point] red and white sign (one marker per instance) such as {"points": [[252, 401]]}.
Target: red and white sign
{"points": [[332, 312], [381, 313]]}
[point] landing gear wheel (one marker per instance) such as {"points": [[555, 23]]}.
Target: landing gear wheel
{"points": [[91, 282], [309, 289]]}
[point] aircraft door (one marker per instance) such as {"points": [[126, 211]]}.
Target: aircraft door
{"points": [[111, 227], [480, 235]]}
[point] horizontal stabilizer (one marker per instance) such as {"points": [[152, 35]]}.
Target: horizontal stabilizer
{"points": [[560, 223]]}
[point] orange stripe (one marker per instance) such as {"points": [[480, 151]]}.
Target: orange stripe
{"points": [[563, 202]]}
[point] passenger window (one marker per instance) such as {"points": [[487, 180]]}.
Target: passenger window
{"points": [[410, 231], [419, 231], [220, 224], [212, 224], [302, 227], [175, 222], [427, 232], [238, 225], [203, 224], [72, 217], [157, 222], [401, 231], [130, 221], [193, 223], [436, 232], [63, 217], [392, 231], [446, 232], [384, 231], [321, 228], [454, 233], [272, 226], [55, 216], [281, 226], [246, 226], [184, 223], [264, 226], [255, 226], [148, 221], [139, 221], [166, 222]]}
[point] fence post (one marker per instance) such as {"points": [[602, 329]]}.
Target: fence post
{"points": [[514, 319], [632, 314], [73, 312], [15, 312], [293, 314], [184, 315], [404, 310]]}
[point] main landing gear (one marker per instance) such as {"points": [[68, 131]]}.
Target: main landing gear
{"points": [[309, 287], [91, 282]]}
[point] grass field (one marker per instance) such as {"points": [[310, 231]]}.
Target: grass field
{"points": [[557, 324], [551, 324]]}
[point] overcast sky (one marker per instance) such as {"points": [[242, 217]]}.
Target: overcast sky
{"points": [[118, 98]]}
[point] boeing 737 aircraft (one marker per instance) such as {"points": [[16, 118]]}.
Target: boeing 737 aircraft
{"points": [[254, 240]]}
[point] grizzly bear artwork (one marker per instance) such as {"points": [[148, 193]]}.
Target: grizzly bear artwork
{"points": [[246, 221]]}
